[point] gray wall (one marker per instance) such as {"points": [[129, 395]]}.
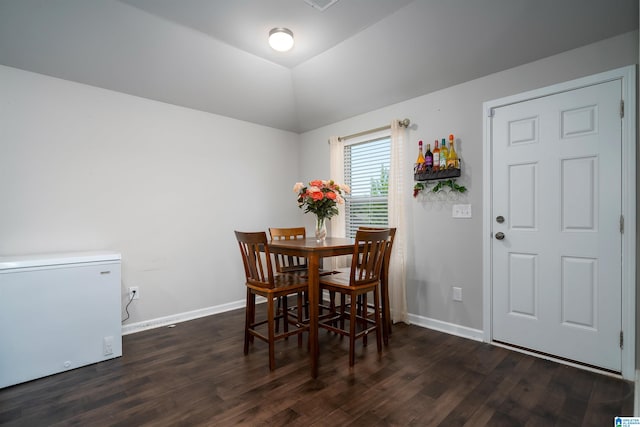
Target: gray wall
{"points": [[442, 251], [83, 168]]}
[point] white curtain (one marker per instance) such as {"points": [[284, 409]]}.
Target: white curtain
{"points": [[397, 275], [336, 173]]}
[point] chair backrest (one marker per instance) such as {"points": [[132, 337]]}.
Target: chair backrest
{"points": [[256, 258], [387, 254], [288, 263], [368, 256]]}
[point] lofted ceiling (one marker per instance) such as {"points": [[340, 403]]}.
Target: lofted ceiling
{"points": [[245, 24], [353, 57]]}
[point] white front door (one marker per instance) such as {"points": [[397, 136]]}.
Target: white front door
{"points": [[556, 212]]}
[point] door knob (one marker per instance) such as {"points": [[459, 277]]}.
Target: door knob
{"points": [[499, 235]]}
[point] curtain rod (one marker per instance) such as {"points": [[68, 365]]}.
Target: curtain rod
{"points": [[403, 123]]}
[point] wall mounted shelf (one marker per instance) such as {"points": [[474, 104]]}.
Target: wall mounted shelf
{"points": [[445, 178], [439, 174]]}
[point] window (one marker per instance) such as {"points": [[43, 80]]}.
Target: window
{"points": [[366, 171]]}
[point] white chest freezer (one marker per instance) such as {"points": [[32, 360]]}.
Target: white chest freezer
{"points": [[58, 312]]}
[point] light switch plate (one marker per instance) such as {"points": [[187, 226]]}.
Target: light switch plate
{"points": [[461, 211]]}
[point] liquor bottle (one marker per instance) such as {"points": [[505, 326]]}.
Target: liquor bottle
{"points": [[420, 162], [420, 154], [452, 158], [444, 153], [428, 158], [436, 158]]}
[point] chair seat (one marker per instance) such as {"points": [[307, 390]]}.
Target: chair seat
{"points": [[343, 280], [282, 283], [338, 271]]}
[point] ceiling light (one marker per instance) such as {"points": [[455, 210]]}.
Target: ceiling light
{"points": [[281, 39]]}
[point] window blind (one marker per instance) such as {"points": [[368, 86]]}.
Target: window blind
{"points": [[366, 171]]}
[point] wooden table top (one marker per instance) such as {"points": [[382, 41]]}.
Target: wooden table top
{"points": [[330, 246]]}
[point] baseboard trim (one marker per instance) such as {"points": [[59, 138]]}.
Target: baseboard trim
{"points": [[425, 322], [449, 328], [180, 317]]}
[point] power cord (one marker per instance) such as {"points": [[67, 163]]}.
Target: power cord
{"points": [[126, 308]]}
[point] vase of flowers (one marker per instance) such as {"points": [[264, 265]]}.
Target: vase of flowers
{"points": [[321, 229], [320, 198]]}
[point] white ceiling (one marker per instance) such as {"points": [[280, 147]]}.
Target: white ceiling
{"points": [[245, 24], [356, 56]]}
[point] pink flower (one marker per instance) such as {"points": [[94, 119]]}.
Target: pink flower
{"points": [[299, 186], [320, 197]]}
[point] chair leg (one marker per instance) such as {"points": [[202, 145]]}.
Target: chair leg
{"points": [[343, 304], [386, 312], [278, 311], [333, 309], [299, 320], [285, 315], [248, 319], [352, 330], [332, 303], [376, 313], [364, 312], [271, 325]]}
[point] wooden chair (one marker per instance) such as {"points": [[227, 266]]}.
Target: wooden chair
{"points": [[261, 280], [363, 277], [289, 264], [384, 288], [384, 284]]}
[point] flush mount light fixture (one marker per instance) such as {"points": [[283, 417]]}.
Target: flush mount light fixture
{"points": [[281, 39]]}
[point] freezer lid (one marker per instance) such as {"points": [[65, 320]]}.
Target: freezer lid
{"points": [[65, 258]]}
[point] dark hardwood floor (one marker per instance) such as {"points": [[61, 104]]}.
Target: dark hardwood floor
{"points": [[196, 374]]}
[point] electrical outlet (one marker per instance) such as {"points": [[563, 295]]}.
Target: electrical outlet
{"points": [[457, 293], [134, 292], [107, 345]]}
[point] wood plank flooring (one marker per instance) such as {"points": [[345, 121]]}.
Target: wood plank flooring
{"points": [[195, 374]]}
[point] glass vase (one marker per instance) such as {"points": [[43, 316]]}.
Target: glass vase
{"points": [[321, 229]]}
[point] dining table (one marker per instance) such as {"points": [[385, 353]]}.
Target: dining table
{"points": [[314, 251]]}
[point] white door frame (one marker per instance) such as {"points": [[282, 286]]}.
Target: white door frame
{"points": [[628, 304]]}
